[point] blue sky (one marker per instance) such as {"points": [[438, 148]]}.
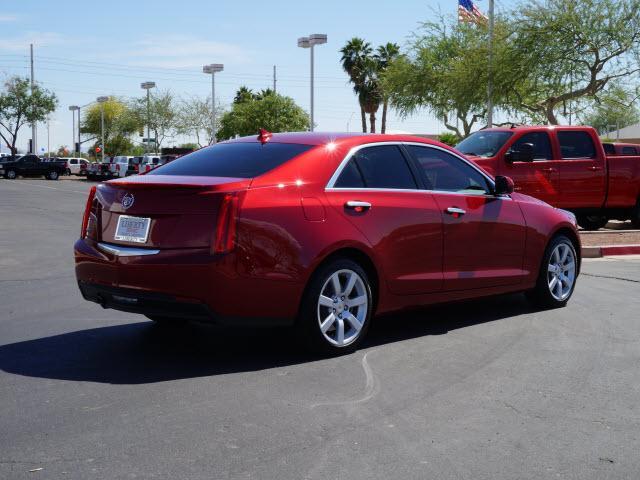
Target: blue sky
{"points": [[86, 49]]}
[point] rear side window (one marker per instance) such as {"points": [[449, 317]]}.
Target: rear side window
{"points": [[447, 173], [629, 151], [541, 145], [609, 149], [377, 167], [576, 145], [235, 160]]}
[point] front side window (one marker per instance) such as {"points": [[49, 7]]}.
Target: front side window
{"points": [[484, 143], [541, 145], [234, 160], [377, 167], [576, 144], [447, 173]]}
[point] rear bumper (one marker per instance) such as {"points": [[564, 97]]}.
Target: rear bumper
{"points": [[185, 283]]}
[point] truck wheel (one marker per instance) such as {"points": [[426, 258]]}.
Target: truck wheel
{"points": [[592, 222], [52, 175], [67, 172], [557, 276], [11, 174]]}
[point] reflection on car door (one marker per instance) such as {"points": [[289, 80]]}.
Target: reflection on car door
{"points": [[378, 193], [484, 235], [540, 178]]}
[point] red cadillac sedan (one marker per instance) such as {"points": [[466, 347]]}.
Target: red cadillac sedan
{"points": [[320, 231]]}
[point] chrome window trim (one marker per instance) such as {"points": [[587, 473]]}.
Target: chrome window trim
{"points": [[121, 251], [353, 150]]}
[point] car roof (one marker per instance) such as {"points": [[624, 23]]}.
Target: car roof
{"points": [[322, 138]]}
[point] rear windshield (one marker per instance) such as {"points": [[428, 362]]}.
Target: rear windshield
{"points": [[236, 160]]}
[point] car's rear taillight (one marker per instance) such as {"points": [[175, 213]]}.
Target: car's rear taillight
{"points": [[87, 212], [225, 237], [136, 168]]}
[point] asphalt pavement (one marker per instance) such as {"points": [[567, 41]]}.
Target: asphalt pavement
{"points": [[488, 389]]}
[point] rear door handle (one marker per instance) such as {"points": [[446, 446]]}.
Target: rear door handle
{"points": [[357, 205], [594, 168], [549, 169], [455, 211]]}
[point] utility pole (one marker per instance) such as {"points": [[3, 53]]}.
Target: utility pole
{"points": [[490, 67], [34, 146], [48, 137], [274, 79]]}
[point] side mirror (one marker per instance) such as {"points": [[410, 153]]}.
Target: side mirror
{"points": [[504, 185], [523, 154]]}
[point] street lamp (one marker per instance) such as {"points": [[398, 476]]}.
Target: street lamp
{"points": [[101, 101], [148, 86], [73, 109], [310, 42], [213, 69]]}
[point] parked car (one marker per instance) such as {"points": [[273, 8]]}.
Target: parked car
{"points": [[151, 162], [100, 170], [319, 231], [30, 166], [123, 166], [565, 166], [75, 165]]}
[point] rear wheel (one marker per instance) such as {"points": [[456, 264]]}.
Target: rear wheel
{"points": [[558, 274], [592, 222], [52, 175], [169, 322], [336, 311], [635, 215], [67, 172]]}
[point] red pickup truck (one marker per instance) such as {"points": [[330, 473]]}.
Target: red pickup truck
{"points": [[566, 167]]}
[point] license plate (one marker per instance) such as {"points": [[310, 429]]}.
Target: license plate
{"points": [[132, 229]]}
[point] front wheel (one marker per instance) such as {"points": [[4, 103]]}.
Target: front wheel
{"points": [[558, 274], [592, 222], [11, 174], [52, 175], [337, 307]]}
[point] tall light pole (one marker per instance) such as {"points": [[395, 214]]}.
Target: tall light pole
{"points": [[101, 101], [148, 86], [310, 42], [73, 109], [213, 69]]}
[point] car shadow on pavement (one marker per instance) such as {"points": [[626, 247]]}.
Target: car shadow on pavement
{"points": [[142, 352]]}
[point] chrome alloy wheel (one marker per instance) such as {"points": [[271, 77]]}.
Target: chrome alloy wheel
{"points": [[561, 272], [342, 307]]}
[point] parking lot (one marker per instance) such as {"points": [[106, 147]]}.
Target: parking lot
{"points": [[486, 390]]}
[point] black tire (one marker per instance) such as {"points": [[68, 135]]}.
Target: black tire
{"points": [[541, 295], [53, 175], [635, 215], [592, 222], [67, 172], [308, 322], [11, 175], [167, 322]]}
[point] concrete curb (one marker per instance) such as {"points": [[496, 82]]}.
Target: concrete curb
{"points": [[609, 250]]}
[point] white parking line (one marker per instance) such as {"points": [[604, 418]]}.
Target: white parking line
{"points": [[22, 182]]}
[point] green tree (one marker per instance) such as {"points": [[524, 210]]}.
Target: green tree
{"points": [[194, 119], [162, 115], [243, 94], [385, 55], [445, 72], [449, 138], [615, 109], [19, 106], [355, 55], [120, 122], [563, 51], [273, 112]]}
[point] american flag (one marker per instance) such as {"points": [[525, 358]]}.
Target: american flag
{"points": [[468, 12]]}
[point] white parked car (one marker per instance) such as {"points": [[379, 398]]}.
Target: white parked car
{"points": [[149, 162], [76, 165], [123, 166]]}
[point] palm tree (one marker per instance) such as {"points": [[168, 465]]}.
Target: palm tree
{"points": [[354, 55], [386, 54], [243, 94], [370, 94]]}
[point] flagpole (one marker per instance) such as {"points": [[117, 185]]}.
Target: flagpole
{"points": [[490, 68]]}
